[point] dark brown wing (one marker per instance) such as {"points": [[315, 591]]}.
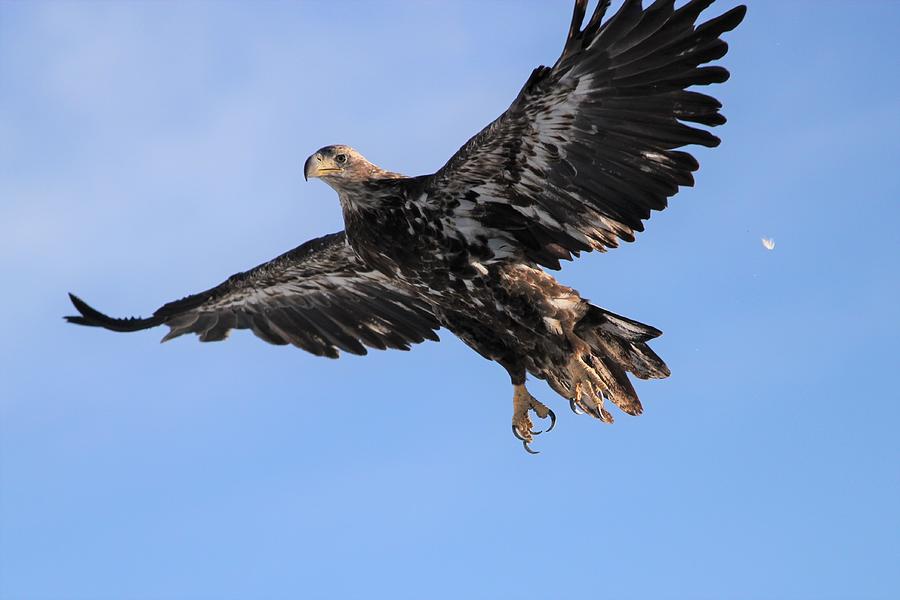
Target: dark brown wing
{"points": [[318, 297], [588, 148]]}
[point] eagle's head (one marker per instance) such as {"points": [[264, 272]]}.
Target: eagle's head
{"points": [[340, 166], [334, 164]]}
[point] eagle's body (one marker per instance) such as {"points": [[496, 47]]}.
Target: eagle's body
{"points": [[578, 161], [489, 293]]}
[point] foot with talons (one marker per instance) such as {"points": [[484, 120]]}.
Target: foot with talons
{"points": [[590, 405], [588, 390], [522, 426]]}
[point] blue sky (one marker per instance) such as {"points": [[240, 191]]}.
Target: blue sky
{"points": [[149, 150]]}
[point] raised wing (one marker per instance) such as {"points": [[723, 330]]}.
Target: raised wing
{"points": [[318, 297], [588, 148]]}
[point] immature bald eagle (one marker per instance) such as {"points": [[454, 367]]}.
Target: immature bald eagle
{"points": [[582, 156]]}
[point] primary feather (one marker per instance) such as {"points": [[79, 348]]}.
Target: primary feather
{"points": [[319, 297]]}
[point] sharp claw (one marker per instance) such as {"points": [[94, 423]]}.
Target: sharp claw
{"points": [[574, 407], [528, 448], [552, 416], [517, 434]]}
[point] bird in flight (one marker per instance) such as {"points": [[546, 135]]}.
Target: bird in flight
{"points": [[585, 152]]}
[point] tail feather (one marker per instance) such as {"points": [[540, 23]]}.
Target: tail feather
{"points": [[623, 341], [621, 327], [618, 386], [618, 345]]}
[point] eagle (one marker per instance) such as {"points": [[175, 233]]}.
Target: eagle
{"points": [[583, 155]]}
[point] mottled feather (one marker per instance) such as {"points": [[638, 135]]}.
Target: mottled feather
{"points": [[583, 155], [319, 297], [589, 147]]}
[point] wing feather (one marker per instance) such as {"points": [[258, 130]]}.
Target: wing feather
{"points": [[319, 297], [589, 147]]}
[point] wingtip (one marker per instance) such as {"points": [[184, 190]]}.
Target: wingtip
{"points": [[82, 307], [92, 317], [578, 13], [74, 299], [727, 21], [79, 304]]}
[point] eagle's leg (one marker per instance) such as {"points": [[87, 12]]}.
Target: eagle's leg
{"points": [[523, 402]]}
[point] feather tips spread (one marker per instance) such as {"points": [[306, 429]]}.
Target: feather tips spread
{"points": [[589, 147], [318, 297]]}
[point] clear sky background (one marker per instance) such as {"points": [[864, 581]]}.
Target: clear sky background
{"points": [[149, 150]]}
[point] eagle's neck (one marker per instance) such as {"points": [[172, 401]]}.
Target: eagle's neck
{"points": [[374, 215], [369, 192]]}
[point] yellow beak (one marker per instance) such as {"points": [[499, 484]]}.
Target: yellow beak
{"points": [[318, 166]]}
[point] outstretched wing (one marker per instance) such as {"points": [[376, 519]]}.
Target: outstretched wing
{"points": [[318, 297], [588, 148]]}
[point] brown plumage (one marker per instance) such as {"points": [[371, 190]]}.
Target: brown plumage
{"points": [[589, 147]]}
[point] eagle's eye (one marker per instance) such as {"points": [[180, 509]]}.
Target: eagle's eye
{"points": [[340, 158]]}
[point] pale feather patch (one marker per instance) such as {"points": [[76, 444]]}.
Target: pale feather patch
{"points": [[565, 302], [553, 325]]}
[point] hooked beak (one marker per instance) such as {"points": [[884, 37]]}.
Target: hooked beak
{"points": [[317, 166]]}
